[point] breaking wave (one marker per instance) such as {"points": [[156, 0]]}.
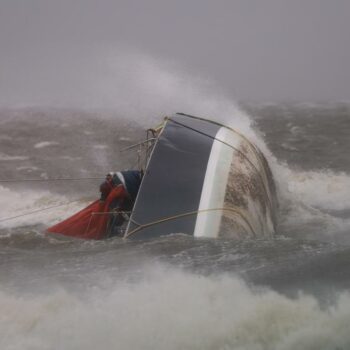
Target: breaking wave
{"points": [[318, 199], [170, 309], [321, 189]]}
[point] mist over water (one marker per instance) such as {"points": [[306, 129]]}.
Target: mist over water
{"points": [[173, 292], [135, 85]]}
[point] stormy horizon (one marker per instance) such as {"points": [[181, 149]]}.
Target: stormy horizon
{"points": [[88, 53]]}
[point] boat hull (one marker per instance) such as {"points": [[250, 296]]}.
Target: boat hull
{"points": [[206, 180]]}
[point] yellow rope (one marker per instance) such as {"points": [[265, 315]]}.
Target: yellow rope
{"points": [[156, 222]]}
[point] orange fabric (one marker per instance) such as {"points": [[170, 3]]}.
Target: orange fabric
{"points": [[91, 222]]}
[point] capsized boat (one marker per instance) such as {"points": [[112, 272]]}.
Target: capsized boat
{"points": [[206, 180], [201, 178]]}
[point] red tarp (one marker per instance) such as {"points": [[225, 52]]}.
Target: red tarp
{"points": [[91, 222]]}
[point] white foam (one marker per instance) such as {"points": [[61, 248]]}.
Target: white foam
{"points": [[45, 144], [321, 189], [172, 310], [14, 203], [27, 168], [311, 198], [4, 156], [70, 158], [100, 147], [124, 138]]}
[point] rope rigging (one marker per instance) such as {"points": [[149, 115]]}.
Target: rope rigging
{"points": [[236, 211], [139, 162]]}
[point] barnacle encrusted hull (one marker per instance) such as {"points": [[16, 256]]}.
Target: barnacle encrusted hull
{"points": [[206, 180]]}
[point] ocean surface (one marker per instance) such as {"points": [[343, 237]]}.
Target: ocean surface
{"points": [[175, 292]]}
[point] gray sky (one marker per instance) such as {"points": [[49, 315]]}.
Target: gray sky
{"points": [[267, 50]]}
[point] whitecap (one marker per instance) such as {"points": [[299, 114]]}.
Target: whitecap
{"points": [[45, 144], [100, 146], [4, 156], [27, 168]]}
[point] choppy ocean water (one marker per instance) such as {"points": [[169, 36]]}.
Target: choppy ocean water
{"points": [[175, 292]]}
